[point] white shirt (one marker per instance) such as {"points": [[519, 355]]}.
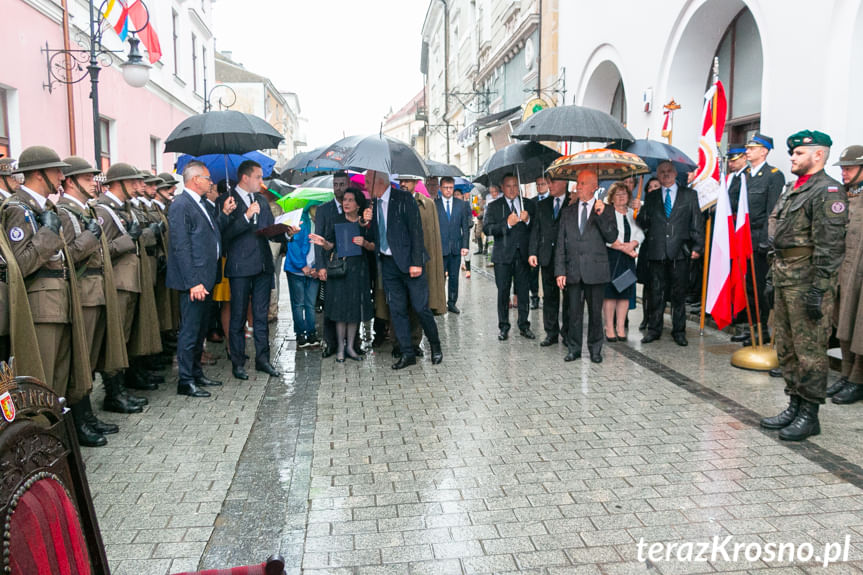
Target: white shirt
{"points": [[245, 196], [540, 197], [447, 205], [673, 190], [160, 204], [40, 199], [516, 207], [383, 203], [635, 233], [75, 200], [588, 207], [4, 194], [755, 169]]}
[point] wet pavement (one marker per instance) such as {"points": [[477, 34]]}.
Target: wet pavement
{"points": [[502, 459]]}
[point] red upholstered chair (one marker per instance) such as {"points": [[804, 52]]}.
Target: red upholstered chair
{"points": [[49, 524]]}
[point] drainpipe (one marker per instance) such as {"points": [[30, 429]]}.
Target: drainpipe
{"points": [[446, 73], [70, 101]]}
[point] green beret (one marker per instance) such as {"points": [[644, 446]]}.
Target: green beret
{"points": [[808, 138]]}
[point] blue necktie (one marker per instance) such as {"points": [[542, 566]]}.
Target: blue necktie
{"points": [[556, 207], [382, 228], [447, 210], [667, 203]]}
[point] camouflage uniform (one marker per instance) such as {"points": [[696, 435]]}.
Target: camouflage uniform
{"points": [[809, 242]]}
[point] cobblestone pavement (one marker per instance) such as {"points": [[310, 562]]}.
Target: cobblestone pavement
{"points": [[502, 459]]}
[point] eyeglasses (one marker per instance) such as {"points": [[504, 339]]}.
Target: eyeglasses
{"points": [[206, 178]]}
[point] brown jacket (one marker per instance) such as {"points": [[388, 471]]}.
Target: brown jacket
{"points": [[850, 317], [146, 339], [434, 265], [123, 250], [86, 251]]}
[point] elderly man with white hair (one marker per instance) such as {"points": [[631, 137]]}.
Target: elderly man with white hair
{"points": [[398, 236]]}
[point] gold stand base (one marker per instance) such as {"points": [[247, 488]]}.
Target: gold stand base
{"points": [[756, 358]]}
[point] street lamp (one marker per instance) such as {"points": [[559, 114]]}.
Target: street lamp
{"points": [[72, 66]]}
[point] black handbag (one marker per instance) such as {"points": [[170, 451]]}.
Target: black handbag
{"points": [[337, 267], [624, 280]]}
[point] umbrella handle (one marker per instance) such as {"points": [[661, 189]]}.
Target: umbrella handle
{"points": [[275, 193]]}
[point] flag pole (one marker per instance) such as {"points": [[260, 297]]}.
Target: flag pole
{"points": [[709, 220], [757, 305]]}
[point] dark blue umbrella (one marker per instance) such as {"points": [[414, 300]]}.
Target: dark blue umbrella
{"points": [[225, 165], [653, 152], [311, 161]]}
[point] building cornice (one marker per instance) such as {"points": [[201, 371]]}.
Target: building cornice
{"points": [[195, 17], [511, 47], [47, 8]]}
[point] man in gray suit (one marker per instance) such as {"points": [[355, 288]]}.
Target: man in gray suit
{"points": [[581, 263]]}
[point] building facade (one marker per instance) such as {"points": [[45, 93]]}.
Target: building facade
{"points": [[133, 122], [786, 66], [252, 93], [483, 60], [408, 123]]}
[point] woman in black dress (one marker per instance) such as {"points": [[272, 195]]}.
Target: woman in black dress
{"points": [[348, 298], [621, 257]]}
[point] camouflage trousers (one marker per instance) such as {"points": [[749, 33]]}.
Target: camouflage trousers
{"points": [[801, 343]]}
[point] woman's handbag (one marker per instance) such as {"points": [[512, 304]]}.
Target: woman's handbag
{"points": [[623, 281], [336, 267]]}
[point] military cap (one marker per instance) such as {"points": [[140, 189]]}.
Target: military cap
{"points": [[122, 171], [761, 140], [78, 166], [38, 158], [851, 156], [150, 178], [735, 152], [808, 138], [168, 180]]}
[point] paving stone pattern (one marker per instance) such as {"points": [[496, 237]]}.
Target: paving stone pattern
{"points": [[503, 459]]}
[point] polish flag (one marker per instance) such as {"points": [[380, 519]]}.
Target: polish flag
{"points": [[742, 247], [719, 280], [143, 23]]}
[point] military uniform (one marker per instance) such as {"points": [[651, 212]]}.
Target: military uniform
{"points": [[809, 242]]}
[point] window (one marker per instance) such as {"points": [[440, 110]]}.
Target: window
{"points": [[204, 63], [4, 124], [154, 155], [175, 38], [105, 141], [618, 103], [194, 63], [740, 69]]}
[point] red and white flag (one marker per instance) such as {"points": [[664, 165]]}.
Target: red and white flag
{"points": [[706, 181], [719, 278], [742, 245]]}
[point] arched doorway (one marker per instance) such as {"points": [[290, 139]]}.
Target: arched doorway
{"points": [[605, 91]]}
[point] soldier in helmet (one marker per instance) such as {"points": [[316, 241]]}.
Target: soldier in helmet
{"points": [[95, 277], [122, 234], [808, 245], [33, 229], [8, 184], [849, 320], [166, 189]]}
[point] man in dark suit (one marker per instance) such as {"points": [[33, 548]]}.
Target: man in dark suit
{"points": [[736, 172], [249, 267], [543, 241], [398, 236], [581, 263], [324, 216], [674, 236], [509, 220], [193, 268], [454, 217]]}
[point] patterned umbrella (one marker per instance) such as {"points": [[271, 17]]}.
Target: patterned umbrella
{"points": [[609, 165]]}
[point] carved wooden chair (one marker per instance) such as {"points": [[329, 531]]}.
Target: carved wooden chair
{"points": [[49, 524]]}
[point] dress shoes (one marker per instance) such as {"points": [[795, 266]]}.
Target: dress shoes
{"points": [[643, 325], [239, 372], [548, 341], [611, 339], [572, 356], [452, 309], [436, 353], [851, 393], [775, 372], [397, 352], [191, 390], [404, 362], [836, 386], [206, 381], [596, 357], [266, 367], [680, 340], [740, 337], [650, 337], [527, 333], [534, 302], [503, 335]]}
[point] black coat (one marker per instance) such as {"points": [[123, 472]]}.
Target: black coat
{"points": [[675, 237], [508, 242], [325, 215], [583, 257], [764, 189], [404, 230], [543, 232]]}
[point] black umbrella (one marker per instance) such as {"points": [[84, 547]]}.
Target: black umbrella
{"points": [[439, 170], [527, 160], [654, 152], [222, 132], [574, 124], [319, 182], [377, 152], [310, 162]]}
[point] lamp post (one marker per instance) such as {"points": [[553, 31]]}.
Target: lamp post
{"points": [[72, 66]]}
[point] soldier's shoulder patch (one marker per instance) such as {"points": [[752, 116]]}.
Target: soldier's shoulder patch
{"points": [[101, 221], [16, 234], [837, 207], [833, 188]]}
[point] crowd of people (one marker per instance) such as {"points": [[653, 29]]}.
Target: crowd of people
{"points": [[117, 275]]}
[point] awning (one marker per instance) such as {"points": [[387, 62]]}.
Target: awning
{"points": [[490, 121]]}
